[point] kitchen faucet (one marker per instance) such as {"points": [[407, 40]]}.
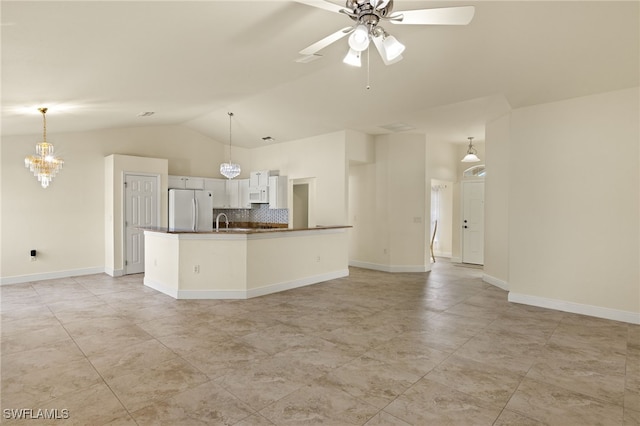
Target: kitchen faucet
{"points": [[226, 221]]}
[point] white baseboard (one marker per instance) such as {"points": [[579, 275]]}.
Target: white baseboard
{"points": [[288, 285], [576, 308], [160, 287], [244, 294], [114, 272], [495, 281], [19, 279], [446, 254], [390, 268]]}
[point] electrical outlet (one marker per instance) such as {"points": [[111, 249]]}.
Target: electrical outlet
{"points": [[196, 269], [318, 259]]}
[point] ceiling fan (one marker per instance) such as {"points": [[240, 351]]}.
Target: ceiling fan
{"points": [[367, 15]]}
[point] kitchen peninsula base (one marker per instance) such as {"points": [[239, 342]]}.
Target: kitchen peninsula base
{"points": [[241, 265]]}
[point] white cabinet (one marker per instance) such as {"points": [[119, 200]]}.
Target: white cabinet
{"points": [[259, 186], [176, 182], [232, 190], [194, 183], [226, 193], [243, 194], [259, 179], [218, 190], [229, 193], [238, 194], [185, 182], [278, 191]]}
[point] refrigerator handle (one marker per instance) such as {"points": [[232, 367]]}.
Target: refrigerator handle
{"points": [[194, 217]]}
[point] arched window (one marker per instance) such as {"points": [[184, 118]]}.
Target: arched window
{"points": [[474, 172]]}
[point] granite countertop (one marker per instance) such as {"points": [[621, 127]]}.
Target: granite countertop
{"points": [[235, 229]]}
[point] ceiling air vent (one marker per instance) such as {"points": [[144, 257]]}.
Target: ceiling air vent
{"points": [[398, 127]]}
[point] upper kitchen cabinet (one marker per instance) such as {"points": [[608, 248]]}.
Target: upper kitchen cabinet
{"points": [[218, 191], [229, 193], [176, 182], [238, 193], [194, 183], [185, 182], [278, 192], [259, 179]]}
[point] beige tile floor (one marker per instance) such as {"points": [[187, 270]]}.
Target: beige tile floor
{"points": [[438, 348]]}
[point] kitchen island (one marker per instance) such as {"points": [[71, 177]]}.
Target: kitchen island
{"points": [[242, 263]]}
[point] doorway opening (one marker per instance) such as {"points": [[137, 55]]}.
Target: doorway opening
{"points": [[303, 203], [441, 241]]}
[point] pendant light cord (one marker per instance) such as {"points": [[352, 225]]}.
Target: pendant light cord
{"points": [[368, 76], [44, 123], [230, 116]]}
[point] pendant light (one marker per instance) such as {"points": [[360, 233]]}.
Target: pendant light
{"points": [[229, 170], [472, 153], [44, 165]]}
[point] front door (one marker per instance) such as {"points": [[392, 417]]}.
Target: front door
{"points": [[473, 222], [140, 210]]}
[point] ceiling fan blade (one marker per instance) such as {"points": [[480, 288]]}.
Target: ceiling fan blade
{"points": [[321, 4], [441, 16], [321, 44], [383, 54]]}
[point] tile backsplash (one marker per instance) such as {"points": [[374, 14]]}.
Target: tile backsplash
{"points": [[257, 213]]}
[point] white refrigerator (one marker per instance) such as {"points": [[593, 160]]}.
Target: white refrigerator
{"points": [[190, 210]]}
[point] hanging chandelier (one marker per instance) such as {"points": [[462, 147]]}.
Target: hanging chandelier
{"points": [[472, 153], [229, 170], [44, 165]]}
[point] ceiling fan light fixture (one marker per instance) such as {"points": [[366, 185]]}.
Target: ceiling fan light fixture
{"points": [[353, 58], [379, 4], [359, 39], [392, 47]]}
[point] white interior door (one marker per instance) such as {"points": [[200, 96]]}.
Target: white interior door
{"points": [[140, 210], [473, 222]]}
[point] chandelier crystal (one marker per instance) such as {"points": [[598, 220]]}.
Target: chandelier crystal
{"points": [[229, 170], [44, 165]]}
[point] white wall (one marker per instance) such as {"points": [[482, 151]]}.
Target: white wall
{"points": [[574, 205], [321, 157], [389, 206], [496, 196], [361, 155], [66, 221]]}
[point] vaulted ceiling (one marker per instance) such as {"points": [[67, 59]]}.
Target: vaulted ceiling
{"points": [[97, 64]]}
